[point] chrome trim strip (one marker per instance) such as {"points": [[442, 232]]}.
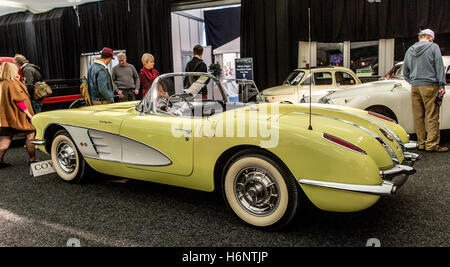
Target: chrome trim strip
{"points": [[170, 162], [385, 189], [384, 127]]}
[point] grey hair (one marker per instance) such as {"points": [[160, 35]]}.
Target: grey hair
{"points": [[121, 55]]}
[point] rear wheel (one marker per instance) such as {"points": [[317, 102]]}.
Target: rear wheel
{"points": [[67, 160], [259, 191]]}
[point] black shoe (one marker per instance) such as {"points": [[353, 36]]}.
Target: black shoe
{"points": [[4, 165]]}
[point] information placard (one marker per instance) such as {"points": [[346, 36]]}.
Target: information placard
{"points": [[42, 168], [244, 68]]}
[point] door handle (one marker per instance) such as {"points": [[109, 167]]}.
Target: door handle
{"points": [[186, 132]]}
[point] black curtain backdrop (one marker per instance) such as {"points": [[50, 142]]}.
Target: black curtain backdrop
{"points": [[271, 29], [13, 32], [54, 41], [222, 26]]}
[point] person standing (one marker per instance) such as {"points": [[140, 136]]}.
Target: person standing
{"points": [[196, 65], [424, 69], [15, 112], [126, 79], [20, 70], [148, 72], [101, 89], [31, 74]]}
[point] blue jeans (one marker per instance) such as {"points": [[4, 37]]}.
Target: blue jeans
{"points": [[36, 105]]}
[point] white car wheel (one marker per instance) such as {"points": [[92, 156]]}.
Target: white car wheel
{"points": [[67, 161], [259, 192]]}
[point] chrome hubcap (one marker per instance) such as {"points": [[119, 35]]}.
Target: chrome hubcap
{"points": [[256, 191], [66, 157]]}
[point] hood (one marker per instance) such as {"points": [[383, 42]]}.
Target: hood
{"points": [[316, 95], [419, 48], [279, 90], [365, 89]]}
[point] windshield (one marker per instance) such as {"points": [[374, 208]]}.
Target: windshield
{"points": [[399, 72], [295, 77], [197, 95], [396, 72]]}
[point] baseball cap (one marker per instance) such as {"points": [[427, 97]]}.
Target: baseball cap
{"points": [[427, 32], [107, 52]]}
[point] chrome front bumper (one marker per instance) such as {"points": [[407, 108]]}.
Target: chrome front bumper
{"points": [[38, 142], [393, 179]]}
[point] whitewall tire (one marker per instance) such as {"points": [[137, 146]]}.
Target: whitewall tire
{"points": [[259, 191], [67, 160]]}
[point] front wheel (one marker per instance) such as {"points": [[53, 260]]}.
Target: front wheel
{"points": [[260, 192], [67, 160]]}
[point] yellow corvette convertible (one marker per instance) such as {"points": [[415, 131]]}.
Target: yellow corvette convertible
{"points": [[263, 157]]}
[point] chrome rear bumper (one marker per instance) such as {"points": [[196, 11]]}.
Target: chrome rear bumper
{"points": [[393, 179], [385, 189], [410, 145]]}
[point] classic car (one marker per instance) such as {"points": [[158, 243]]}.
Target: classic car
{"points": [[295, 88], [263, 157], [390, 97]]}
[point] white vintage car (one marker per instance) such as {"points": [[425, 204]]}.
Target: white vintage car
{"points": [[295, 88], [390, 97]]}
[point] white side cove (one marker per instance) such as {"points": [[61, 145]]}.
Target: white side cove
{"points": [[115, 148]]}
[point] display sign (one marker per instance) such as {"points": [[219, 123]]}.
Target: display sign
{"points": [[42, 168], [366, 72], [244, 68]]}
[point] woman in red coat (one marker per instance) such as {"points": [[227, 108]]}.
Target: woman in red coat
{"points": [[148, 73]]}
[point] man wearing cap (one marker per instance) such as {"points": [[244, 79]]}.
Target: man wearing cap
{"points": [[100, 84], [424, 69]]}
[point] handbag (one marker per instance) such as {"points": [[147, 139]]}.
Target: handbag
{"points": [[84, 90], [42, 90]]}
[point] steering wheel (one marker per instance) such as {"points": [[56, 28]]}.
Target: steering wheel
{"points": [[181, 96]]}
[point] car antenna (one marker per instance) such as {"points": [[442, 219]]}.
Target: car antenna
{"points": [[310, 73]]}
